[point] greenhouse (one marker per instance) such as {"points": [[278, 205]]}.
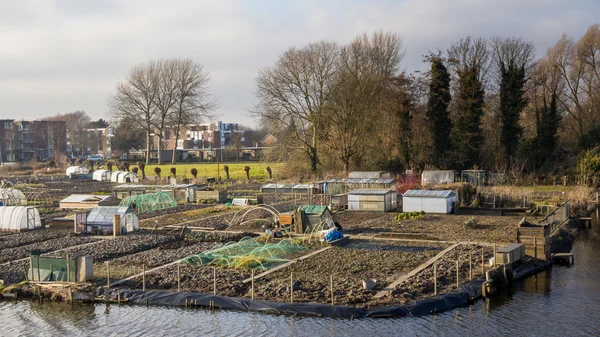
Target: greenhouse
{"points": [[101, 219], [247, 253], [149, 202], [74, 170], [12, 197], [101, 175], [124, 177], [18, 218]]}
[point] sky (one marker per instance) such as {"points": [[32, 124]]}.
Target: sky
{"points": [[58, 56]]}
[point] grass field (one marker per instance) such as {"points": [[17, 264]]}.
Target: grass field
{"points": [[236, 170]]}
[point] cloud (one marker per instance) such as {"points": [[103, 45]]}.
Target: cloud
{"points": [[68, 55]]}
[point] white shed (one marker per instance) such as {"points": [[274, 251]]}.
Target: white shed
{"points": [[17, 218], [101, 175], [372, 200], [77, 170], [429, 201]]}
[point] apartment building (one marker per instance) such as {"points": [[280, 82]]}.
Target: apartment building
{"points": [[22, 140], [90, 141]]}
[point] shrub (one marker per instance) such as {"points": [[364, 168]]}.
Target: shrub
{"points": [[410, 215], [194, 172], [174, 172], [470, 223]]}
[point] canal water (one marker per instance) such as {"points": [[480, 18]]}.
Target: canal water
{"points": [[563, 301]]}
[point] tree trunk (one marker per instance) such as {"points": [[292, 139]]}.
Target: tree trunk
{"points": [[346, 162], [159, 157], [175, 146], [314, 160], [147, 147]]}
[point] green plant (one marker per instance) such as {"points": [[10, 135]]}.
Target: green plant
{"points": [[470, 223], [410, 215]]}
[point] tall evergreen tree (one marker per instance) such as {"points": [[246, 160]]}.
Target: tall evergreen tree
{"points": [[548, 130], [512, 103], [437, 111], [467, 133]]}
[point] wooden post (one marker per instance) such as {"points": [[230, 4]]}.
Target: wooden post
{"points": [[470, 266], [31, 267], [119, 297], [107, 275], [565, 180], [252, 284], [219, 175], [482, 263], [116, 225], [68, 269], [494, 255], [38, 269], [214, 280], [535, 249], [435, 279], [292, 287], [143, 277], [331, 287], [457, 275], [178, 279]]}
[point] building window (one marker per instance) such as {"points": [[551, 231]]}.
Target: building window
{"points": [[8, 125], [7, 146]]}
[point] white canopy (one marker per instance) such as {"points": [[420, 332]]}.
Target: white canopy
{"points": [[102, 175], [124, 177], [15, 218], [77, 170]]}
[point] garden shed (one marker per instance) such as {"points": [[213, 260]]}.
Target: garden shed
{"points": [[87, 201], [18, 218], [77, 170], [372, 200], [287, 188], [102, 175], [474, 177], [101, 219], [429, 201], [438, 177], [369, 174], [12, 197], [124, 177]]}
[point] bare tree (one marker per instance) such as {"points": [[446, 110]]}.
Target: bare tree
{"points": [[363, 68], [77, 123], [165, 100], [293, 93], [471, 53], [135, 99], [194, 101]]}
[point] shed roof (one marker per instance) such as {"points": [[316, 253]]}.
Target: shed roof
{"points": [[362, 180], [143, 187], [84, 198], [371, 192], [104, 214], [429, 193], [313, 209]]}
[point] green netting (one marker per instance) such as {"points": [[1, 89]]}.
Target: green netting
{"points": [[149, 202], [247, 253]]}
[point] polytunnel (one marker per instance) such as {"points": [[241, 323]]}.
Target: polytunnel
{"points": [[77, 170], [17, 218], [101, 175], [148, 202], [12, 197]]}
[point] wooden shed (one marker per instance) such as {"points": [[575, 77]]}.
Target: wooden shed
{"points": [[536, 239]]}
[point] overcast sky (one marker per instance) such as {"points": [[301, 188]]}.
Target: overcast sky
{"points": [[67, 55]]}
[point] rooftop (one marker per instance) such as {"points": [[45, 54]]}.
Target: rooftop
{"points": [[429, 193]]}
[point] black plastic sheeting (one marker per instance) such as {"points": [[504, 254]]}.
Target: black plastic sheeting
{"points": [[459, 297]]}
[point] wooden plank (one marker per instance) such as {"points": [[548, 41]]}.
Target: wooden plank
{"points": [[414, 272], [285, 265]]}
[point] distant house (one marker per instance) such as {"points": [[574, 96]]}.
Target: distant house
{"points": [[268, 140]]}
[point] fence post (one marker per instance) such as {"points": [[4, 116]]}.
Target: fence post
{"points": [[214, 280], [435, 278], [178, 279], [68, 269], [252, 283], [331, 286], [470, 266], [107, 275], [535, 249], [144, 277], [457, 274], [482, 263], [292, 287], [494, 255]]}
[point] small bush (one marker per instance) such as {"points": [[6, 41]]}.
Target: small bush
{"points": [[410, 215], [472, 222]]}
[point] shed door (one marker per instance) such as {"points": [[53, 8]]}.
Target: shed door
{"points": [[30, 218], [80, 221]]}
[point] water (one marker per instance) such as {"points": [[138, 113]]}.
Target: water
{"points": [[564, 301]]}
